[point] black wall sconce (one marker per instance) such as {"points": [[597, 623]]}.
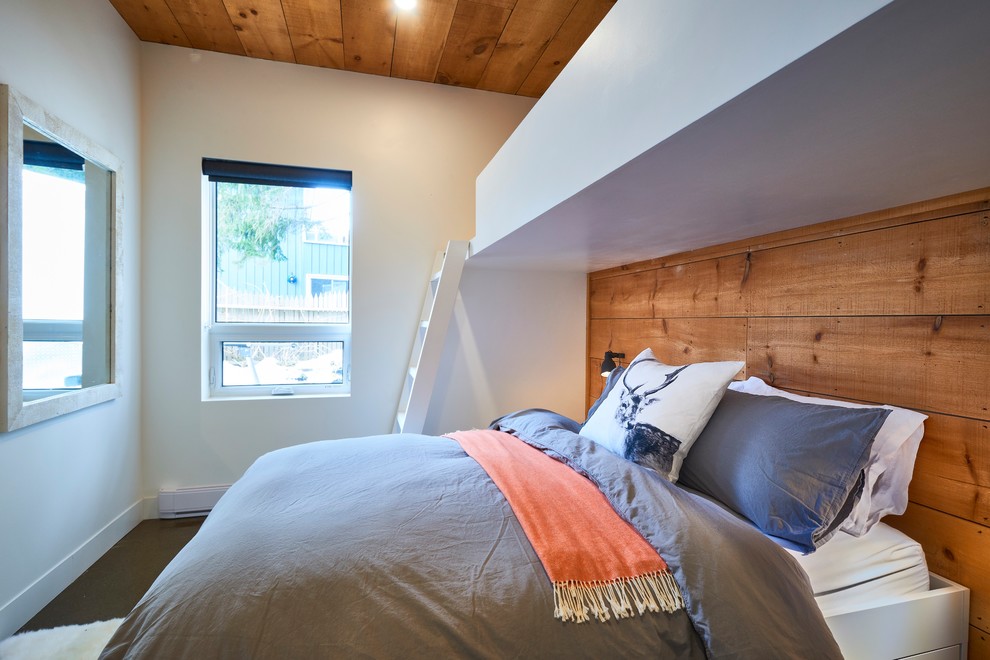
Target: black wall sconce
{"points": [[608, 364]]}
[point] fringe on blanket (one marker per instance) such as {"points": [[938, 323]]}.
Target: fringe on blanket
{"points": [[578, 601]]}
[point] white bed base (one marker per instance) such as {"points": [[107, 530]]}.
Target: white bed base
{"points": [[933, 625]]}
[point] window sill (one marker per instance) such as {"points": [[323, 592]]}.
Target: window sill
{"points": [[278, 397]]}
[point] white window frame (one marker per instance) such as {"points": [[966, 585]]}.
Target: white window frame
{"points": [[215, 333], [49, 330], [319, 276], [308, 238], [53, 331], [259, 332]]}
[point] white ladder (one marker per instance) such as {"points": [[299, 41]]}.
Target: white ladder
{"points": [[438, 308]]}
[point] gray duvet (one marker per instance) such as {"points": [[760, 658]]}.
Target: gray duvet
{"points": [[400, 546]]}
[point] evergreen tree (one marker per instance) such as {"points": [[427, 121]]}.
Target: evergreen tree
{"points": [[253, 220]]}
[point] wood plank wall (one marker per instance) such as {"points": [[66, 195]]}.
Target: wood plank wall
{"points": [[887, 307]]}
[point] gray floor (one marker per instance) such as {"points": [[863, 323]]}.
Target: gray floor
{"points": [[115, 583]]}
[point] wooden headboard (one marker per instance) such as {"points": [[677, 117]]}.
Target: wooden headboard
{"points": [[887, 307]]}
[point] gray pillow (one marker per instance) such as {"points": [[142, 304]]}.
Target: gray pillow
{"points": [[794, 469], [613, 378]]}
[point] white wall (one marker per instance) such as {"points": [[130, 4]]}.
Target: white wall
{"points": [[415, 150], [69, 488], [651, 68], [517, 341]]}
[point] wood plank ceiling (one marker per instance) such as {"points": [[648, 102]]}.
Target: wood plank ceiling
{"points": [[509, 46]]}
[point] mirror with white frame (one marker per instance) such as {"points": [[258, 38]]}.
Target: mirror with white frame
{"points": [[60, 252]]}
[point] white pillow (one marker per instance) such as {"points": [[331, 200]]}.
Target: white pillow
{"points": [[656, 412], [891, 463]]}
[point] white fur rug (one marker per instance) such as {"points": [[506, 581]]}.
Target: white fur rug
{"points": [[83, 642]]}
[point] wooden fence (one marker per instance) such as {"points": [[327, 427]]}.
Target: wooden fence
{"points": [[260, 307]]}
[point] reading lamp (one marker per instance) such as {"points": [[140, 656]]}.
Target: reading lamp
{"points": [[608, 364]]}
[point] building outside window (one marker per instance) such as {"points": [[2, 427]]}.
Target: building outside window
{"points": [[280, 315]]}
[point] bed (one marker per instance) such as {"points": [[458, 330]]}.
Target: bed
{"points": [[404, 546], [880, 601]]}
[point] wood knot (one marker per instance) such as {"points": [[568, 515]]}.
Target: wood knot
{"points": [[480, 48], [938, 324], [818, 336], [948, 554], [357, 58], [921, 264]]}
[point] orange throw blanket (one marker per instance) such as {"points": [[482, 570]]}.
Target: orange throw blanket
{"points": [[598, 563]]}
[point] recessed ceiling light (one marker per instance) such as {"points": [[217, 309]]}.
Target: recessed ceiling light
{"points": [[405, 5]]}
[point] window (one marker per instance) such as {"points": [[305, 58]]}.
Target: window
{"points": [[60, 287], [53, 263], [325, 233], [279, 320], [320, 286]]}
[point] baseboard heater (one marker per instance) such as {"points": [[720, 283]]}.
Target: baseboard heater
{"points": [[189, 502]]}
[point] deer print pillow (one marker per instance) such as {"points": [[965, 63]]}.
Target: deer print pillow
{"points": [[655, 412]]}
